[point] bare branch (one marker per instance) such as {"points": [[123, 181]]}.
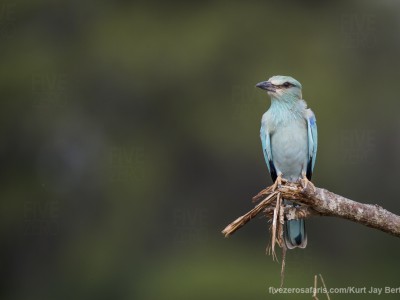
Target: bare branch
{"points": [[317, 201]]}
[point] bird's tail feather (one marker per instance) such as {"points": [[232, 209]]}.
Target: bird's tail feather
{"points": [[295, 233]]}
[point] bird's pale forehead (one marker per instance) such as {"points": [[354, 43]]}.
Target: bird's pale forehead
{"points": [[279, 80]]}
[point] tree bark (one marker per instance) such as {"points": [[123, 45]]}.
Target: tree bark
{"points": [[318, 201]]}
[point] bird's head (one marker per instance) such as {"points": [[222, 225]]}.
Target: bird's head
{"points": [[282, 87]]}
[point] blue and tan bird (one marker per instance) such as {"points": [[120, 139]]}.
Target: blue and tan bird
{"points": [[289, 142]]}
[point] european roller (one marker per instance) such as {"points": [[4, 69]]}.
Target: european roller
{"points": [[289, 142]]}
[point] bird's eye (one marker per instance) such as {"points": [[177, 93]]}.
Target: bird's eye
{"points": [[287, 84]]}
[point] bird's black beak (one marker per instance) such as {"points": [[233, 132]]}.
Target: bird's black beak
{"points": [[266, 85]]}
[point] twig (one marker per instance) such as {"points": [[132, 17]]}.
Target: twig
{"points": [[323, 283], [283, 263], [315, 288], [274, 221], [281, 241]]}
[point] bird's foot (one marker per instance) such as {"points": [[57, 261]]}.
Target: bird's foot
{"points": [[278, 182], [305, 183]]}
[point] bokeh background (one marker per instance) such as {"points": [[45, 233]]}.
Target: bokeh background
{"points": [[130, 138]]}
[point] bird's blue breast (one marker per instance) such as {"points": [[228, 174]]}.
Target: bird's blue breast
{"points": [[289, 145]]}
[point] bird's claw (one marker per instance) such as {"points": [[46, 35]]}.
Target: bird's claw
{"points": [[305, 183], [277, 183]]}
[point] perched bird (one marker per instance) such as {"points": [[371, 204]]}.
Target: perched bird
{"points": [[289, 142]]}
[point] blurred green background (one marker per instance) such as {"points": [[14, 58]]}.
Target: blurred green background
{"points": [[130, 138]]}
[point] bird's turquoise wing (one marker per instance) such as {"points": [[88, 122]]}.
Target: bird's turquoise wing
{"points": [[312, 142], [266, 146]]}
